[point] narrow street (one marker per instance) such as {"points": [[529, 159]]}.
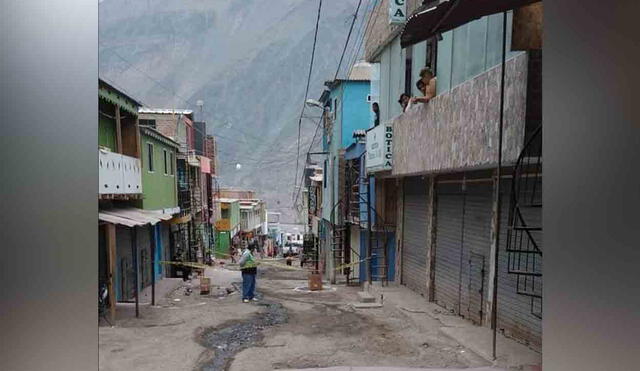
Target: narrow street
{"points": [[289, 328]]}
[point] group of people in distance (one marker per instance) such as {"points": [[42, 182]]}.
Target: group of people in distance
{"points": [[426, 85]]}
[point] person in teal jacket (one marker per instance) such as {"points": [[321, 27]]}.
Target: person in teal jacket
{"points": [[249, 269]]}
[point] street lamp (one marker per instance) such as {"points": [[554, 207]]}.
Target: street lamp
{"points": [[314, 103]]}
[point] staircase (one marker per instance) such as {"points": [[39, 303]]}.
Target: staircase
{"points": [[377, 235], [524, 233], [356, 209]]}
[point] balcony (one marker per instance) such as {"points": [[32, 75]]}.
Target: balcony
{"points": [[118, 174], [458, 130]]}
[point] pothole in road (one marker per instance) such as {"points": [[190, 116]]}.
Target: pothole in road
{"points": [[228, 340]]}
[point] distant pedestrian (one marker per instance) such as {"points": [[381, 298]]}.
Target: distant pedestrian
{"points": [[376, 111], [249, 269]]}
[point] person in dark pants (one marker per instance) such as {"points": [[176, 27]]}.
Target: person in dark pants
{"points": [[249, 269]]}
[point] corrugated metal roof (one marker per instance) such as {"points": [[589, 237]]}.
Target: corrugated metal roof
{"points": [[131, 217], [361, 72], [159, 136], [165, 111]]}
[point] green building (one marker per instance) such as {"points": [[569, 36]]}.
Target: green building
{"points": [[116, 109], [159, 185], [227, 227]]}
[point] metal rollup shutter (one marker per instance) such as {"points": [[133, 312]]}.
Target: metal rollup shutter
{"points": [[414, 240], [515, 316], [478, 212], [144, 256], [125, 273], [448, 251]]}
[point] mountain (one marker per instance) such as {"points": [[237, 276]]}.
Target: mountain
{"points": [[247, 60]]}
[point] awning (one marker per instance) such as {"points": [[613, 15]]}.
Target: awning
{"points": [[445, 15], [193, 161], [132, 217], [205, 164]]}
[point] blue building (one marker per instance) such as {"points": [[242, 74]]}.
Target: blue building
{"points": [[348, 195]]}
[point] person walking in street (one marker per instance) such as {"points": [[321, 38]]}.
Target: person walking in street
{"points": [[249, 269]]}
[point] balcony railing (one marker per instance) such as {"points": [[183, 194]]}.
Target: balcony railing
{"points": [[458, 130], [118, 174]]}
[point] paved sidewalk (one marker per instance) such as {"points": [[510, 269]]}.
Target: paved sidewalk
{"points": [[478, 339], [396, 369]]}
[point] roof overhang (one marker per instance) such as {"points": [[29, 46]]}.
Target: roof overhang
{"points": [[114, 96], [132, 217], [444, 15], [153, 133]]}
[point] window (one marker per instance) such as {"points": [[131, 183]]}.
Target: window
{"points": [[150, 165], [324, 175], [165, 159], [470, 50], [408, 81], [171, 161]]}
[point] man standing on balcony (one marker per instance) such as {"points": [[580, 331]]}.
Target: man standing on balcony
{"points": [[427, 85]]}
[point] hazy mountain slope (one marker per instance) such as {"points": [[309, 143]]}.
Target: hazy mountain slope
{"points": [[247, 60]]}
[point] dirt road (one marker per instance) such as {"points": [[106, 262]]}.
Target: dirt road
{"points": [[290, 328]]}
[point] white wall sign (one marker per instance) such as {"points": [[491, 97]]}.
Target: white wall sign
{"points": [[397, 11], [379, 155]]}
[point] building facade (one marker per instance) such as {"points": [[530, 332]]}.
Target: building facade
{"points": [[454, 215], [130, 216]]}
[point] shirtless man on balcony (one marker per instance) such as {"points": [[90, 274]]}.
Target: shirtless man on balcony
{"points": [[427, 85]]}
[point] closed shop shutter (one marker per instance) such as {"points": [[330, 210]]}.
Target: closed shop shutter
{"points": [[414, 242], [463, 245], [476, 243], [448, 251], [144, 255], [515, 317], [125, 274]]}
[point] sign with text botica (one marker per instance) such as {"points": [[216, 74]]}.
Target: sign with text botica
{"points": [[379, 155], [397, 11]]}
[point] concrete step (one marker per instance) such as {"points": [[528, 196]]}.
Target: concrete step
{"points": [[366, 297], [366, 305]]}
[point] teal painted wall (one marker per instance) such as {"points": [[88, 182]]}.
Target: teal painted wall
{"points": [[352, 112], [107, 133], [159, 189], [355, 109]]}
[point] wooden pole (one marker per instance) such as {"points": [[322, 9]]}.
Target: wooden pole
{"points": [[134, 254], [118, 130], [111, 253], [137, 135]]}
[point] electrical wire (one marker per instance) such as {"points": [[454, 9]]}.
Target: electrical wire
{"points": [[308, 152], [353, 22], [169, 90], [298, 188], [360, 41], [306, 93]]}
